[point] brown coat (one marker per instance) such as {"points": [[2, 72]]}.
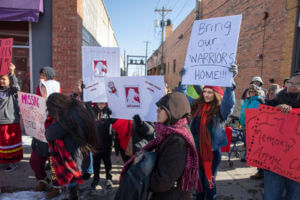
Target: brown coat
{"points": [[170, 165]]}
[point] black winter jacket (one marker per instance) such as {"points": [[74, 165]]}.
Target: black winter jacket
{"points": [[170, 165], [104, 132]]}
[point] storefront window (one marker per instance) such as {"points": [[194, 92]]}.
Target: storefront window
{"points": [[19, 31]]}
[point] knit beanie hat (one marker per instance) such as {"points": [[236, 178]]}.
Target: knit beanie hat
{"points": [[49, 72], [176, 105], [217, 89]]}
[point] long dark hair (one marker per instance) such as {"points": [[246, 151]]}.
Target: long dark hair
{"points": [[75, 118], [214, 109]]}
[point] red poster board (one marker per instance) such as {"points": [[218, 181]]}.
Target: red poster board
{"points": [[250, 121], [275, 142], [5, 55]]}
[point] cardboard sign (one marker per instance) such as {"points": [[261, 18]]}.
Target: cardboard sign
{"points": [[128, 96], [97, 63], [5, 55], [33, 111], [211, 51], [275, 145]]}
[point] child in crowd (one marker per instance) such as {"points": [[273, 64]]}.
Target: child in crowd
{"points": [[104, 149], [11, 150]]}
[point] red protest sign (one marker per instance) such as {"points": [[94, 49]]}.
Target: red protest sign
{"points": [[275, 143], [250, 121], [5, 55]]}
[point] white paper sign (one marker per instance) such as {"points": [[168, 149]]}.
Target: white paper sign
{"points": [[132, 95], [211, 51], [33, 111], [97, 63]]}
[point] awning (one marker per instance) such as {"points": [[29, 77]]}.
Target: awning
{"points": [[20, 10]]}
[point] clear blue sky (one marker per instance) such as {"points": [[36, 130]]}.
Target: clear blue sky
{"points": [[133, 22]]}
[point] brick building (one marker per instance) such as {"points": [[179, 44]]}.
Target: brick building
{"points": [[51, 33], [268, 43]]}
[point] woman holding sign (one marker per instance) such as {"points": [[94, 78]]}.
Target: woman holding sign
{"points": [[209, 112]]}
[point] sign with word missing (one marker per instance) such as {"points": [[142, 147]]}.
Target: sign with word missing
{"points": [[33, 111], [211, 51], [5, 55], [132, 95], [275, 143]]}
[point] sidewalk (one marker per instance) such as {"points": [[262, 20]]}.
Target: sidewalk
{"points": [[232, 183]]}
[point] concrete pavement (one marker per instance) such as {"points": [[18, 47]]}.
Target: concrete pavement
{"points": [[233, 183]]}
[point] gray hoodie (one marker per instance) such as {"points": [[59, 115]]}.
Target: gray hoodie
{"points": [[9, 108]]}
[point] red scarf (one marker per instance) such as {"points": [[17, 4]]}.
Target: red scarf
{"points": [[124, 131], [205, 144]]}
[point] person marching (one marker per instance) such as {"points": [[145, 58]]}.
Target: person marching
{"points": [[40, 150], [104, 149], [68, 137], [11, 150], [209, 112]]}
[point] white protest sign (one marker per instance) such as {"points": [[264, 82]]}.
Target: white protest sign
{"points": [[97, 63], [132, 95], [211, 51], [33, 111]]}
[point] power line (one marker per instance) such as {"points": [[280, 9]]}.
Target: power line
{"points": [[186, 1], [157, 4]]}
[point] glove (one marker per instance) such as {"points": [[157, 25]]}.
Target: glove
{"points": [[138, 121], [234, 70], [109, 111], [182, 72]]}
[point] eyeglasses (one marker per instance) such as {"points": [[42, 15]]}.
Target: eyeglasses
{"points": [[251, 91]]}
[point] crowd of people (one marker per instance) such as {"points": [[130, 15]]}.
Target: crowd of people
{"points": [[175, 158]]}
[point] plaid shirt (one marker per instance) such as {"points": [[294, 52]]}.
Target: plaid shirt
{"points": [[65, 168]]}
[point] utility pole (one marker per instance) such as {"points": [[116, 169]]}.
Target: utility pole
{"points": [[146, 64], [162, 11]]}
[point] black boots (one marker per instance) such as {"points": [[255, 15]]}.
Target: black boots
{"points": [[73, 193]]}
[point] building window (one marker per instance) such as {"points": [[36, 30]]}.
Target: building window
{"points": [[20, 32], [174, 65], [168, 66]]}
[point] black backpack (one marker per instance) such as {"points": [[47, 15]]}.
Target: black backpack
{"points": [[135, 181]]}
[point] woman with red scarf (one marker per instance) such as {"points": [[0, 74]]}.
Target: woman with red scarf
{"points": [[209, 112]]}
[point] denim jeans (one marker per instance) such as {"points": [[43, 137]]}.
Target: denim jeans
{"points": [[209, 193], [275, 184], [87, 164]]}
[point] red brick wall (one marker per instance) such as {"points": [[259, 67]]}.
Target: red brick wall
{"points": [[272, 37], [67, 42]]}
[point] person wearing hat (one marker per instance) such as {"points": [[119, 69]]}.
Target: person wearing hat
{"points": [[40, 150], [209, 112], [253, 100], [175, 173], [258, 82]]}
